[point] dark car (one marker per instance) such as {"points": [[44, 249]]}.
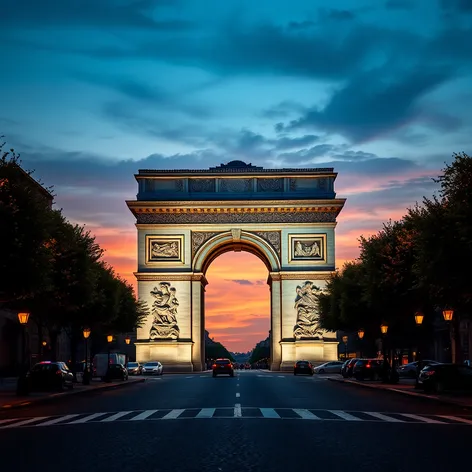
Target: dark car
{"points": [[439, 377], [347, 368], [223, 366], [368, 369], [134, 368], [117, 371], [49, 376], [303, 367]]}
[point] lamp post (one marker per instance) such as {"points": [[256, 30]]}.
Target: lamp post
{"points": [[22, 386], [86, 376], [360, 333], [127, 341], [345, 339], [448, 314], [419, 316], [109, 340], [383, 330]]}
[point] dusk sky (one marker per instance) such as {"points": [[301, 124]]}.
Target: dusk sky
{"points": [[93, 90]]}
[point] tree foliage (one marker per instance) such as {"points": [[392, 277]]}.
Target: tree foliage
{"points": [[416, 263]]}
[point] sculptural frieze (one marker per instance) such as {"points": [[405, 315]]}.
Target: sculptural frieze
{"points": [[202, 185], [270, 185], [309, 247], [307, 305], [169, 249], [164, 248], [164, 313], [235, 185]]}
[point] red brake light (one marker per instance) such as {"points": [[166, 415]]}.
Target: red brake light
{"points": [[367, 365], [214, 365], [58, 372], [229, 365], [430, 372]]}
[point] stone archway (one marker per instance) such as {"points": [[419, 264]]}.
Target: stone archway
{"points": [[187, 218]]}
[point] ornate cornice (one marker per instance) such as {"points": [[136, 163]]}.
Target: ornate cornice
{"points": [[277, 276], [166, 277]]}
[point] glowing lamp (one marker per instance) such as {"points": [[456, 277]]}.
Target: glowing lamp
{"points": [[448, 314], [86, 332], [419, 317], [361, 333], [384, 328], [44, 343], [127, 340], [110, 338], [23, 317]]}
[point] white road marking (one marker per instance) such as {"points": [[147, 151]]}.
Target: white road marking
{"points": [[269, 413], [237, 411], [456, 418], [144, 415], [58, 420], [422, 418], [189, 377], [172, 415], [344, 415], [238, 394], [87, 418], [382, 417], [25, 422], [115, 416], [281, 376], [305, 414], [9, 419], [206, 413]]}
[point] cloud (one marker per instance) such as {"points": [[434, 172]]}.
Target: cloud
{"points": [[88, 13], [240, 281]]}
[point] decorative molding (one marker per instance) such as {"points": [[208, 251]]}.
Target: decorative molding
{"points": [[156, 277], [304, 276], [270, 185], [240, 217], [307, 248], [201, 237], [236, 235], [273, 238], [164, 249]]}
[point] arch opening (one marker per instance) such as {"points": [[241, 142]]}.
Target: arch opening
{"points": [[236, 307]]}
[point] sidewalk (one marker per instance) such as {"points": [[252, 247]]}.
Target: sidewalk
{"points": [[9, 399], [407, 387]]}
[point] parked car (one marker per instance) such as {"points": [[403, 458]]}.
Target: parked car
{"points": [[409, 370], [134, 368], [367, 368], [152, 368], [333, 367], [440, 377], [49, 375], [303, 367], [117, 371], [348, 366], [223, 366]]}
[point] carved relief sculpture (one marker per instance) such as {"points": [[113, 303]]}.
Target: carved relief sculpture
{"points": [[164, 249], [307, 247], [164, 313], [306, 304]]}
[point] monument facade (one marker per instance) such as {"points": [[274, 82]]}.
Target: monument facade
{"points": [[187, 218]]}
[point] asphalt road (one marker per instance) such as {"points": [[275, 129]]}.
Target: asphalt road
{"points": [[256, 421]]}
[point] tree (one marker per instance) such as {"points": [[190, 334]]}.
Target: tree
{"points": [[26, 220]]}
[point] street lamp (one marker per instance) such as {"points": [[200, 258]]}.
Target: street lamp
{"points": [[345, 339], [109, 340], [127, 340], [360, 333], [23, 319], [384, 328], [86, 376], [448, 314], [419, 318]]}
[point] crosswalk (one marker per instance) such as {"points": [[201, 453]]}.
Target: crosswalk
{"points": [[236, 412]]}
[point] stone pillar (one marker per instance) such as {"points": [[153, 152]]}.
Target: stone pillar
{"points": [[197, 313], [275, 321]]}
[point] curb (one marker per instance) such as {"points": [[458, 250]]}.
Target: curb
{"points": [[59, 395], [405, 392]]}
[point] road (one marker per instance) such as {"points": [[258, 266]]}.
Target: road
{"points": [[256, 421]]}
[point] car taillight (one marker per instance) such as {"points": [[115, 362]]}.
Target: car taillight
{"points": [[58, 372], [367, 365], [229, 365], [214, 365], [430, 372]]}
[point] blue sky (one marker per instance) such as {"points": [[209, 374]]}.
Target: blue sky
{"points": [[93, 90]]}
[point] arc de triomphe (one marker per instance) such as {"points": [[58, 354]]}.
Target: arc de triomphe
{"points": [[187, 218]]}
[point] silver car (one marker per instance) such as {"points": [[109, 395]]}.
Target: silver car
{"points": [[152, 368], [333, 367]]}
